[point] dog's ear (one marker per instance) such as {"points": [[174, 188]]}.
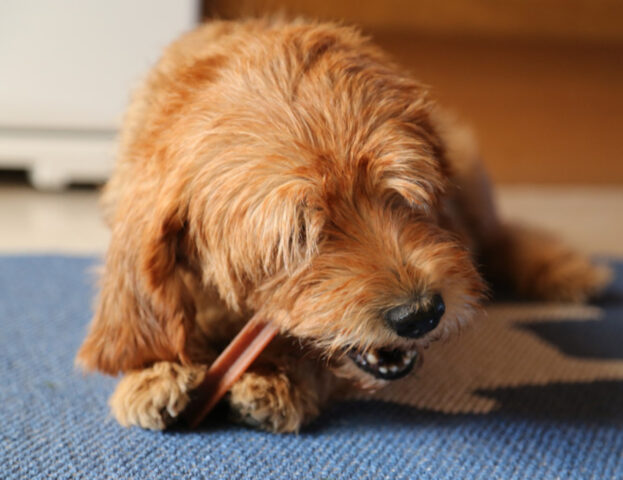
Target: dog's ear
{"points": [[145, 307]]}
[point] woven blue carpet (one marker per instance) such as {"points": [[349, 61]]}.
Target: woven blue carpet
{"points": [[54, 422]]}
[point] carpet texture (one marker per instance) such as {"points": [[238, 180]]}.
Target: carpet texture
{"points": [[530, 391]]}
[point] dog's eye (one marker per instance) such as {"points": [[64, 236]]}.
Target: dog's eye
{"points": [[397, 202], [302, 235], [299, 234], [308, 230]]}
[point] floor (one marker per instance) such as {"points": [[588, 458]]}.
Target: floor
{"points": [[591, 218]]}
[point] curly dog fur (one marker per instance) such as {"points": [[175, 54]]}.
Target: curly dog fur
{"points": [[291, 168]]}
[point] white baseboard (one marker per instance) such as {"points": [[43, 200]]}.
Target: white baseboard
{"points": [[56, 158]]}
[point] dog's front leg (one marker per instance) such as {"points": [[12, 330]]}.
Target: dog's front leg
{"points": [[277, 395], [154, 397]]}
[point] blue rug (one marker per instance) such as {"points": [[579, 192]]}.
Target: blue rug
{"points": [[54, 422]]}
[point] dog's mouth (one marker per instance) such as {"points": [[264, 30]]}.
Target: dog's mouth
{"points": [[385, 363]]}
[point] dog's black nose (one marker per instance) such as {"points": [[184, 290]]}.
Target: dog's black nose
{"points": [[413, 322]]}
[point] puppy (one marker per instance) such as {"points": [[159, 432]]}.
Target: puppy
{"points": [[292, 169]]}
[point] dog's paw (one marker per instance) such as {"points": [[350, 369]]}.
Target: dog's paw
{"points": [[154, 397], [539, 265], [572, 279], [270, 402]]}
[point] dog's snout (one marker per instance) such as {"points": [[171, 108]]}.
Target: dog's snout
{"points": [[413, 321]]}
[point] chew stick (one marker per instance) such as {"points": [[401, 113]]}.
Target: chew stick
{"points": [[228, 367]]}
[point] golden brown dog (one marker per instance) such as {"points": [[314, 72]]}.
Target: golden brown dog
{"points": [[291, 168]]}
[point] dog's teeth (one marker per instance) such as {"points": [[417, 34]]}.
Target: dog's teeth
{"points": [[393, 368], [372, 358], [383, 370], [406, 360]]}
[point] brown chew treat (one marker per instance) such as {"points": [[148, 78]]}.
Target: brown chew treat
{"points": [[228, 368]]}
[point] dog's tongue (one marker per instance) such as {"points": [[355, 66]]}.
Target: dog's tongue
{"points": [[228, 367]]}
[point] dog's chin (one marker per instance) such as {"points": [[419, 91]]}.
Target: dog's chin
{"points": [[385, 363]]}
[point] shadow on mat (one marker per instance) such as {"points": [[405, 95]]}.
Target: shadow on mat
{"points": [[592, 402]]}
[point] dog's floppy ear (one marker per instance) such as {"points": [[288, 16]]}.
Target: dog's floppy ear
{"points": [[145, 307]]}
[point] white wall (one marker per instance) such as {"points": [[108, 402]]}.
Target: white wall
{"points": [[67, 68]]}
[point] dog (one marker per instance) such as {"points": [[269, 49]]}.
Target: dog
{"points": [[291, 168]]}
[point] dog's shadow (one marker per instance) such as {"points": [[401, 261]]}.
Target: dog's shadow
{"points": [[594, 403]]}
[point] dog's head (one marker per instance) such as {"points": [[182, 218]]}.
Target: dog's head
{"points": [[377, 278], [328, 214], [363, 266]]}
